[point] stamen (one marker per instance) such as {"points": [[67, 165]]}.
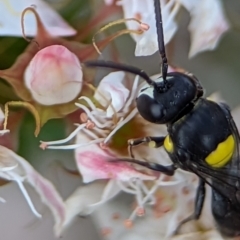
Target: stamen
{"points": [[145, 199], [32, 9], [71, 136], [103, 146], [89, 102], [152, 199], [18, 180], [114, 117], [29, 107], [90, 124], [127, 119], [140, 211], [83, 117], [143, 27], [139, 195], [101, 132], [133, 94], [74, 146], [90, 133], [98, 124], [6, 169], [128, 223], [125, 189]]}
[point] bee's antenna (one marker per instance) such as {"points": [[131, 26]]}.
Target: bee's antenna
{"points": [[122, 67], [160, 34]]}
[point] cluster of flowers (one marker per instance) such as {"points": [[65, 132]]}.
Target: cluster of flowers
{"points": [[51, 83]]}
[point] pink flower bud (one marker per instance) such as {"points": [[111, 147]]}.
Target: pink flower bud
{"points": [[54, 76]]}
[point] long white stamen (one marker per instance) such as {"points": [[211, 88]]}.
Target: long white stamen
{"points": [[90, 133], [125, 189], [89, 102], [97, 123], [18, 180], [145, 199], [146, 192], [133, 94], [127, 119], [139, 195], [74, 146], [6, 169], [101, 114], [101, 132], [71, 136]]}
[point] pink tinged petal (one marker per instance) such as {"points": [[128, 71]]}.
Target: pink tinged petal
{"points": [[10, 19], [92, 162], [111, 88], [95, 166], [208, 23], [46, 190], [54, 75]]}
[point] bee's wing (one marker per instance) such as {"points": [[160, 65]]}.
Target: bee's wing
{"points": [[224, 180]]}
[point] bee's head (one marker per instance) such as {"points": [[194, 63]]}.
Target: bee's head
{"points": [[162, 101]]}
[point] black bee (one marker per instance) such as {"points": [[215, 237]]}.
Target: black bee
{"points": [[202, 136]]}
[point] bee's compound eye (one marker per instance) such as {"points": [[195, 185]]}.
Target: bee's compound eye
{"points": [[149, 109]]}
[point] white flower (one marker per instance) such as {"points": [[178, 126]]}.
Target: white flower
{"points": [[10, 19], [15, 168], [207, 24], [102, 136], [143, 10]]}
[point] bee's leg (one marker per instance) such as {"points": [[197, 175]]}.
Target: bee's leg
{"points": [[199, 200], [167, 170], [154, 142]]}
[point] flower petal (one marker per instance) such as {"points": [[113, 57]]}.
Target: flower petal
{"points": [[54, 75], [24, 171], [111, 88], [207, 25], [86, 198], [146, 43], [15, 74], [10, 19], [92, 162]]}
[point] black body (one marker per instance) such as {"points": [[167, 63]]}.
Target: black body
{"points": [[196, 128], [195, 136]]}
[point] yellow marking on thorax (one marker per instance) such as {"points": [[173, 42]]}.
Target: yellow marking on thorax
{"points": [[223, 153], [168, 144], [152, 144]]}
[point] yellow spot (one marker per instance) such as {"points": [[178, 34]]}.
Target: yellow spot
{"points": [[223, 153], [152, 144], [168, 144]]}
